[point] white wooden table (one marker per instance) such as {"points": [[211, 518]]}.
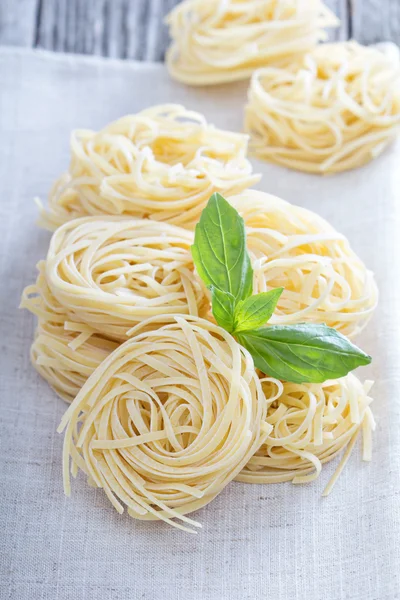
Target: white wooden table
{"points": [[134, 28]]}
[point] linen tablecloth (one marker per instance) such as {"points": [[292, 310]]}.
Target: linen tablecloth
{"points": [[278, 542]]}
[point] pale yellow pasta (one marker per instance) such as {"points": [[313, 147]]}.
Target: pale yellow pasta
{"points": [[64, 353], [114, 272], [324, 281], [166, 421], [162, 163], [215, 41], [312, 423], [336, 109], [62, 363]]}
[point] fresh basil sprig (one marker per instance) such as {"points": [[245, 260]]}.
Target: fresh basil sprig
{"points": [[304, 353]]}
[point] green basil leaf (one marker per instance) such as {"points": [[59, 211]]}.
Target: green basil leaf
{"points": [[256, 310], [223, 308], [302, 353], [219, 250]]}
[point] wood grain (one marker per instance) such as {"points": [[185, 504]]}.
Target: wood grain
{"points": [[376, 20], [135, 29], [18, 22]]}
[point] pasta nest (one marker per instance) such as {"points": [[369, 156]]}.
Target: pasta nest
{"points": [[63, 352], [112, 273], [162, 163], [312, 423], [167, 420], [336, 109], [324, 280], [215, 41]]}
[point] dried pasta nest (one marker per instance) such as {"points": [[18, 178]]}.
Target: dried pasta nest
{"points": [[324, 280], [112, 273], [336, 109], [312, 423], [63, 352], [215, 41], [167, 420], [162, 163]]}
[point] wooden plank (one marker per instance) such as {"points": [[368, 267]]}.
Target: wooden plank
{"points": [[115, 28], [137, 14], [112, 23], [46, 35], [63, 26], [376, 20], [58, 26], [18, 22], [157, 32]]}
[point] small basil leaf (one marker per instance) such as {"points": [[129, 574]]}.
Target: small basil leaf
{"points": [[256, 310], [302, 353], [219, 250], [223, 308]]}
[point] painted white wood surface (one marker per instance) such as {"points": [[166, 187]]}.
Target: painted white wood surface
{"points": [[134, 28]]}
